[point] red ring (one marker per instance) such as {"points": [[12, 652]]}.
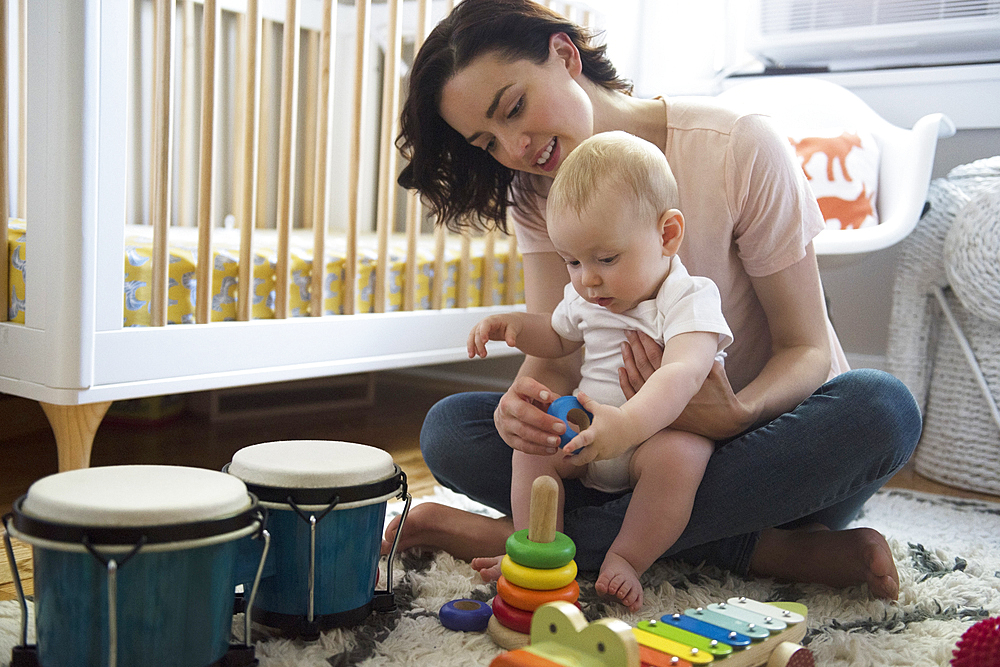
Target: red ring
{"points": [[510, 617]]}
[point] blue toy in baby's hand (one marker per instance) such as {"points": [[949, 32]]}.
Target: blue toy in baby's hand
{"points": [[573, 414]]}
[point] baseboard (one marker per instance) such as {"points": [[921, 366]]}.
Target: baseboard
{"points": [[338, 392], [480, 375]]}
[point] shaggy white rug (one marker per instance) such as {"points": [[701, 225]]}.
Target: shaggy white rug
{"points": [[947, 552]]}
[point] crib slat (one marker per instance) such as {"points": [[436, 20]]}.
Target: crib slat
{"points": [[311, 79], [4, 186], [185, 184], [206, 162], [286, 155], [265, 151], [363, 11], [437, 287], [489, 271], [414, 208], [321, 189], [22, 109], [248, 209], [387, 156], [162, 149]]}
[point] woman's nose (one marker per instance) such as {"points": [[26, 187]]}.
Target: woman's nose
{"points": [[515, 143]]}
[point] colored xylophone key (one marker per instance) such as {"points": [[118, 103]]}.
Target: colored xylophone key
{"points": [[680, 635], [728, 622], [731, 637], [788, 616], [741, 613]]}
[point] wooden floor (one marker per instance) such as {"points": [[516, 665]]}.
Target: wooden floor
{"points": [[28, 452]]}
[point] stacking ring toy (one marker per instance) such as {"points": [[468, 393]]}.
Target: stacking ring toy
{"points": [[568, 409], [510, 617], [529, 600], [542, 555], [535, 579], [465, 615]]}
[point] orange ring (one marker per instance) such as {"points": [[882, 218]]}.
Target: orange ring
{"points": [[530, 600], [510, 617]]}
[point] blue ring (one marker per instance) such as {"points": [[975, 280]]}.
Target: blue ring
{"points": [[560, 408], [454, 617]]}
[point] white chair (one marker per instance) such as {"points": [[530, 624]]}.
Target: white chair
{"points": [[906, 156]]}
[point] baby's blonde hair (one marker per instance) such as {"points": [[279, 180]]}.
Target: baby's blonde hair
{"points": [[614, 160]]}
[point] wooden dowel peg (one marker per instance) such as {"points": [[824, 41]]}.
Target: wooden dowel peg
{"points": [[544, 507]]}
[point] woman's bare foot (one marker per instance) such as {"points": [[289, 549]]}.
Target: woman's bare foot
{"points": [[837, 558], [462, 534], [619, 580]]}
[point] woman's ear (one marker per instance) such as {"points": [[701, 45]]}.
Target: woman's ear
{"points": [[563, 48], [671, 225]]}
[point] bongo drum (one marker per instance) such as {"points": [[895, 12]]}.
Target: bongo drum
{"points": [[133, 565], [326, 503]]}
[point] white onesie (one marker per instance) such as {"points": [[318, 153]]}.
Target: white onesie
{"points": [[683, 304]]}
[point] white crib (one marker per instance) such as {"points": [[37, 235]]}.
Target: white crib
{"points": [[99, 101]]}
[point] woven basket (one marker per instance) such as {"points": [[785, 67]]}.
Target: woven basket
{"points": [[960, 445]]}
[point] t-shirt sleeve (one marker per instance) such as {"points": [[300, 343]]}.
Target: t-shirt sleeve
{"points": [[776, 215], [693, 305]]}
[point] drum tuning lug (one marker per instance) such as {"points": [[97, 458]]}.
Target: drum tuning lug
{"points": [[384, 602], [25, 656]]}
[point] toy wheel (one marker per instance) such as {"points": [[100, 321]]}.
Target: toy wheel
{"points": [[465, 615], [540, 555], [536, 579]]}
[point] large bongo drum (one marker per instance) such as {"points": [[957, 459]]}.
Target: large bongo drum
{"points": [[134, 565], [326, 504]]}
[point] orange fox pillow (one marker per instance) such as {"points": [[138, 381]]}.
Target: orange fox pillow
{"points": [[841, 165]]}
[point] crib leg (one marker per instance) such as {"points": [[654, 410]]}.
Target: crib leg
{"points": [[74, 427]]}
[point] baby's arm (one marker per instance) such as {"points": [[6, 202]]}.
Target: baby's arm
{"points": [[532, 333], [687, 360]]}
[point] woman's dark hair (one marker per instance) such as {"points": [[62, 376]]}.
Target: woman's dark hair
{"points": [[464, 185]]}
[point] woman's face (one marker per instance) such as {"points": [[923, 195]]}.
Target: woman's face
{"points": [[527, 116]]}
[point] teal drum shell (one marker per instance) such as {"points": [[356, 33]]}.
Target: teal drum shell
{"points": [[341, 488], [174, 581]]}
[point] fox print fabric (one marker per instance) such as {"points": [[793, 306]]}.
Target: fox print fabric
{"points": [[841, 165]]}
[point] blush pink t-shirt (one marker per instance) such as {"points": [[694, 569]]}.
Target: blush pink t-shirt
{"points": [[748, 212]]}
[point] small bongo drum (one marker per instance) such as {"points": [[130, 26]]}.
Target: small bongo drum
{"points": [[133, 565], [326, 503]]}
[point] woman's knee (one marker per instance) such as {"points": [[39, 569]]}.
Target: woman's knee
{"points": [[882, 407]]}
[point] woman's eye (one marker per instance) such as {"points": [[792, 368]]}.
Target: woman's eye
{"points": [[490, 145], [517, 107]]}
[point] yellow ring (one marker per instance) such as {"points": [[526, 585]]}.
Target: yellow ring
{"points": [[529, 600], [535, 579]]}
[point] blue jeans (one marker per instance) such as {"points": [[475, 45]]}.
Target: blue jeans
{"points": [[818, 463]]}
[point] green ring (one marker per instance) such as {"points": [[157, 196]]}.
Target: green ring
{"points": [[540, 555]]}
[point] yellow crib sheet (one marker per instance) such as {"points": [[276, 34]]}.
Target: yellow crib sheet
{"points": [[225, 274]]}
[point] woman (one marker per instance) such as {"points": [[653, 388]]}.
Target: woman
{"points": [[500, 93]]}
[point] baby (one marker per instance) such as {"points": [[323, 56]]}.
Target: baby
{"points": [[612, 217]]}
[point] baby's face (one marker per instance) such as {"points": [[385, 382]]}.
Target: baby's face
{"points": [[613, 251]]}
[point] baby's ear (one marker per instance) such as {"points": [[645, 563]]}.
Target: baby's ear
{"points": [[671, 226]]}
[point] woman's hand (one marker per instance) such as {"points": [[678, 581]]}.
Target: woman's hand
{"points": [[715, 411], [522, 420], [641, 355]]}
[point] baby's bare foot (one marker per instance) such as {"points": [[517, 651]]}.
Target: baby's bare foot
{"points": [[488, 568], [619, 580]]}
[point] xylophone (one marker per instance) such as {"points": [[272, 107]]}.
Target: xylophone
{"points": [[737, 633]]}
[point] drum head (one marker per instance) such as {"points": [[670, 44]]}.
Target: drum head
{"points": [[135, 495], [311, 464]]}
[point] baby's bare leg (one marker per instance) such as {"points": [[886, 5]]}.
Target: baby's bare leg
{"points": [[666, 471]]}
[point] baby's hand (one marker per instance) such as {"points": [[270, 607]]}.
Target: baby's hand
{"points": [[494, 327], [605, 438]]}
